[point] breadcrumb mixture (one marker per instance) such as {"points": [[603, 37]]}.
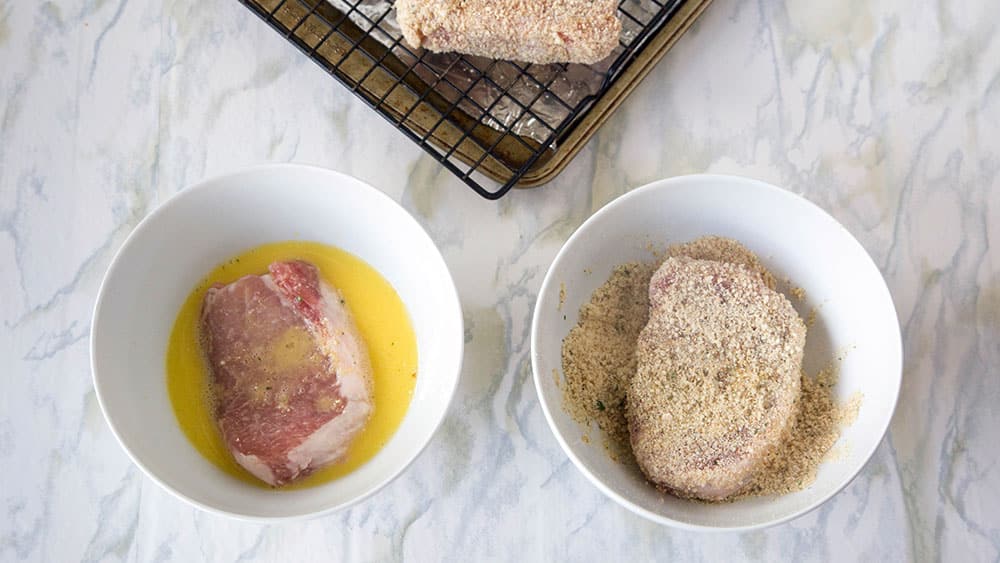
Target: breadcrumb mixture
{"points": [[599, 360], [817, 427], [598, 355]]}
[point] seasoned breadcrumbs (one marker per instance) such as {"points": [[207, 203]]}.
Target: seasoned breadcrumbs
{"points": [[817, 427], [798, 293], [599, 360], [598, 355]]}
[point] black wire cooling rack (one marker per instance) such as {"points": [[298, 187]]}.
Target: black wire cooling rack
{"points": [[479, 118]]}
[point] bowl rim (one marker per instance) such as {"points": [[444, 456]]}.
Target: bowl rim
{"points": [[669, 183], [213, 182]]}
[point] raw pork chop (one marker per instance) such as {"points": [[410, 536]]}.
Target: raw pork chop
{"points": [[717, 378], [291, 377]]}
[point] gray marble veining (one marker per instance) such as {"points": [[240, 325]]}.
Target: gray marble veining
{"points": [[886, 113]]}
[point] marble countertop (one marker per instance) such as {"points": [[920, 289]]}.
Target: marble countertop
{"points": [[886, 113]]}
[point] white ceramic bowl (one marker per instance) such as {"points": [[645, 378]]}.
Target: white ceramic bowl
{"points": [[204, 225], [795, 240]]}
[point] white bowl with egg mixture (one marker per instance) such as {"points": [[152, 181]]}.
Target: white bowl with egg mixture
{"points": [[173, 248], [855, 330]]}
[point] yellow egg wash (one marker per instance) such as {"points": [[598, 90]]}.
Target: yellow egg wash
{"points": [[379, 314]]}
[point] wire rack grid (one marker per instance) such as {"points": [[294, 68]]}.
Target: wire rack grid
{"points": [[477, 117]]}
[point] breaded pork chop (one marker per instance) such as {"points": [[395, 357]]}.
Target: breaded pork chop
{"points": [[717, 379], [532, 31]]}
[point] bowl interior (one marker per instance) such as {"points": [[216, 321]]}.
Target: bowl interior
{"points": [[183, 240], [855, 320]]}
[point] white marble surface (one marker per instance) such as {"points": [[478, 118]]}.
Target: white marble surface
{"points": [[884, 112]]}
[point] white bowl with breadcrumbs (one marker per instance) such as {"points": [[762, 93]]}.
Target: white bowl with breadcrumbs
{"points": [[853, 328]]}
